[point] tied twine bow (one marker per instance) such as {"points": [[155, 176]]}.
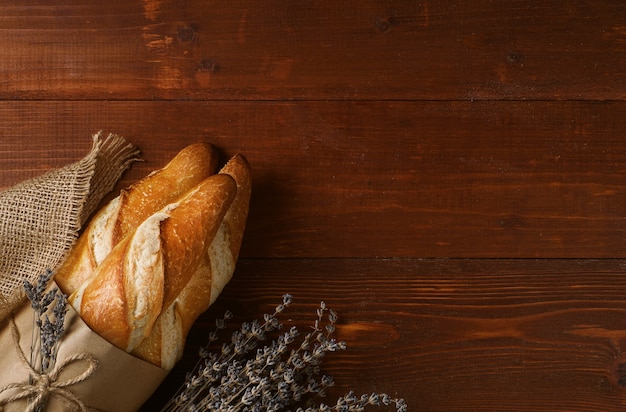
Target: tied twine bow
{"points": [[44, 385]]}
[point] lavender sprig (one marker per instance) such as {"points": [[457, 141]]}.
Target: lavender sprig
{"points": [[48, 321], [351, 402], [275, 377], [48, 326]]}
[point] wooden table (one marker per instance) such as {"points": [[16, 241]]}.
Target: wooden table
{"points": [[449, 176]]}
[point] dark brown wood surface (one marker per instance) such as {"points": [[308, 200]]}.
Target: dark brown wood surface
{"points": [[447, 175]]}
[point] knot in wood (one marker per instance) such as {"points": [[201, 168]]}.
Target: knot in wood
{"points": [[186, 33], [383, 24], [207, 65]]}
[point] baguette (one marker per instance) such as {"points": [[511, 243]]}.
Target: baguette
{"points": [[165, 345], [147, 270], [122, 215]]}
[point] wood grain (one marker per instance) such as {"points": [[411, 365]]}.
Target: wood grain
{"points": [[275, 50], [403, 153], [376, 179], [452, 335]]}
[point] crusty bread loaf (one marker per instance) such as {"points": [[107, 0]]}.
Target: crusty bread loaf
{"points": [[126, 212], [164, 346], [148, 269], [154, 258]]}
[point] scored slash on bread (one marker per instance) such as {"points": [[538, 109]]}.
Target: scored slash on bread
{"points": [[162, 267]]}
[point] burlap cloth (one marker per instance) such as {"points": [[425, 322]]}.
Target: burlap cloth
{"points": [[40, 218]]}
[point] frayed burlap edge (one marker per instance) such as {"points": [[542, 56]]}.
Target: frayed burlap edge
{"points": [[40, 218]]}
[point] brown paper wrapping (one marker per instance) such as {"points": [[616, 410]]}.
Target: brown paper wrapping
{"points": [[120, 382]]}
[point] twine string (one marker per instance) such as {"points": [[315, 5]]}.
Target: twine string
{"points": [[45, 385]]}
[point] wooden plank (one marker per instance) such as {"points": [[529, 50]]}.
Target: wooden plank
{"points": [[376, 179], [278, 50], [451, 335]]}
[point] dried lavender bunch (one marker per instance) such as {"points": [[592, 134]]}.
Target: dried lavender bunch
{"points": [[48, 321], [351, 402], [275, 377]]}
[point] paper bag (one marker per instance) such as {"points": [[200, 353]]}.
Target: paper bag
{"points": [[119, 383]]}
